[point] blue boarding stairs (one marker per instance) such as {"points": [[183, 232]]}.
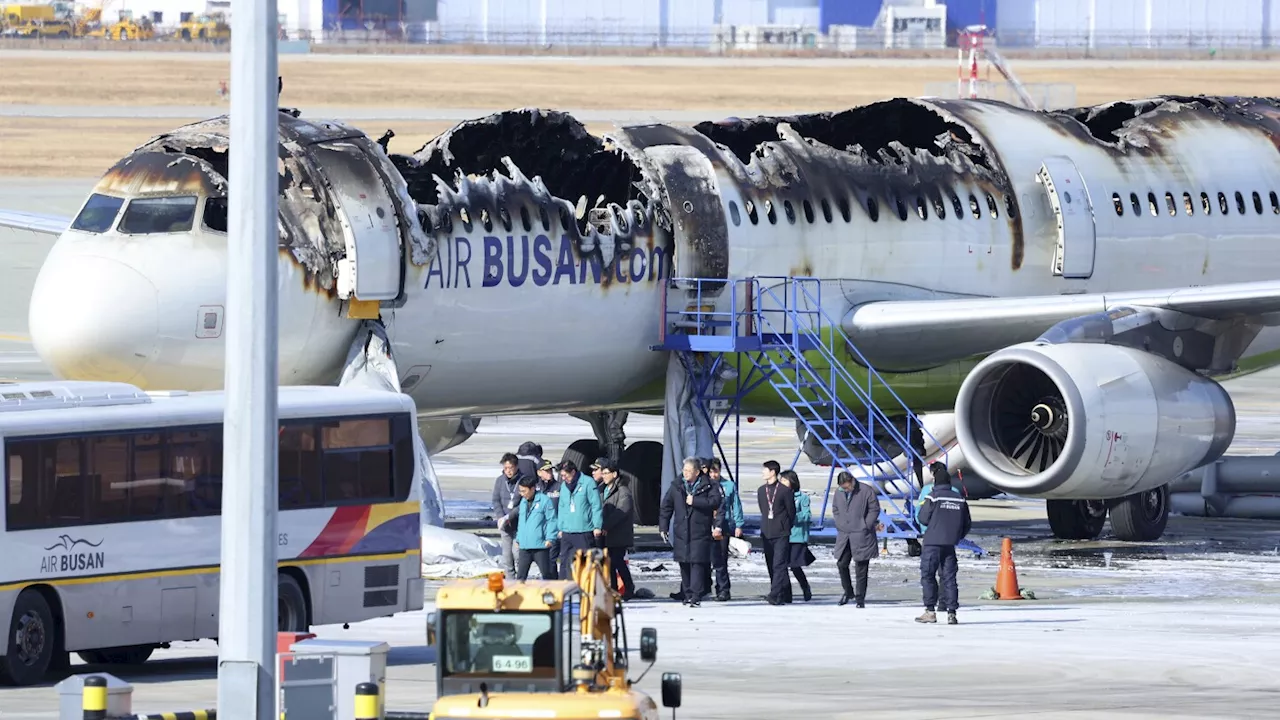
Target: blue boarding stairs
{"points": [[775, 330]]}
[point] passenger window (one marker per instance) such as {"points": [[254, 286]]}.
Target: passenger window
{"points": [[107, 467], [957, 206], [1170, 204], [98, 214], [355, 433], [1151, 203], [504, 217], [1187, 204], [751, 213], [215, 214], [873, 209], [544, 218], [921, 210], [188, 450], [1257, 202], [843, 205], [1010, 206], [146, 489], [1137, 207], [769, 213], [357, 460], [524, 219], [1119, 204], [992, 207], [1222, 203], [1205, 204], [808, 211], [826, 210], [734, 216], [145, 216], [1275, 203], [1239, 203], [789, 211], [299, 467], [939, 207], [974, 207], [902, 208]]}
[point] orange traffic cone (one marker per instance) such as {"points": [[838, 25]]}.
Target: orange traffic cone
{"points": [[1007, 578]]}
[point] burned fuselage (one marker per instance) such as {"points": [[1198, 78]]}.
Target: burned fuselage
{"points": [[521, 263]]}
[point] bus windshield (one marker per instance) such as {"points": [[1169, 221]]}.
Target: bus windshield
{"points": [[508, 644]]}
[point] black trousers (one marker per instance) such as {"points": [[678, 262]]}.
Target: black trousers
{"points": [[935, 561], [777, 554], [570, 544], [692, 580], [618, 564], [720, 563], [541, 557], [860, 569]]}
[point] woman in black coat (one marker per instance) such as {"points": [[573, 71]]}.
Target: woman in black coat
{"points": [[685, 519]]}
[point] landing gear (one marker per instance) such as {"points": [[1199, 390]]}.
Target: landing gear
{"points": [[1141, 517], [1076, 519], [640, 463]]}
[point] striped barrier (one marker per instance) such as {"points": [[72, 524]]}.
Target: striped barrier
{"points": [[184, 715]]}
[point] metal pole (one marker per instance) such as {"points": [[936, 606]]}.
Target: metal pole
{"points": [[247, 602]]}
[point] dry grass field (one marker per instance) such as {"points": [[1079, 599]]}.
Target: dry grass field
{"points": [[40, 146]]}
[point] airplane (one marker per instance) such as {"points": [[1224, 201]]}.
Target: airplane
{"points": [[1067, 286]]}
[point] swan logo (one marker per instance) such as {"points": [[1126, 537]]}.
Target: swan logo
{"points": [[69, 554]]}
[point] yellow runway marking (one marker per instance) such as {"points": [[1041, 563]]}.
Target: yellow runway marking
{"points": [[13, 337]]}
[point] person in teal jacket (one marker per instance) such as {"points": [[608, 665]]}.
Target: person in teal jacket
{"points": [[536, 530], [728, 523], [800, 555], [581, 514]]}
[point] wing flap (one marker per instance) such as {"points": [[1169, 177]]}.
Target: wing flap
{"points": [[903, 336], [35, 222]]}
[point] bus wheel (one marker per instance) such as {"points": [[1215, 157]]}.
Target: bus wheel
{"points": [[291, 604], [129, 655], [32, 635]]}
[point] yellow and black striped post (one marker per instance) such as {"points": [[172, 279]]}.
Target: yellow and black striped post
{"points": [[93, 699], [366, 701]]}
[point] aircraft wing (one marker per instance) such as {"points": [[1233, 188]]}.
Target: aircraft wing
{"points": [[916, 334], [35, 222]]}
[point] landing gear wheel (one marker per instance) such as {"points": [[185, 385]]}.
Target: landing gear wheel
{"points": [[291, 604], [1074, 519], [33, 635], [582, 453], [1141, 517], [641, 466], [130, 655]]}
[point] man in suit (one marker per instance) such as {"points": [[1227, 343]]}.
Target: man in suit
{"points": [[777, 515], [684, 519], [856, 510]]}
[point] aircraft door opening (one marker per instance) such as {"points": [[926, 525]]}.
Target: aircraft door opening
{"points": [[700, 233], [373, 267], [1073, 208]]}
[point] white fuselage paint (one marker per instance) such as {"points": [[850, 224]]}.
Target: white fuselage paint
{"points": [[545, 340]]}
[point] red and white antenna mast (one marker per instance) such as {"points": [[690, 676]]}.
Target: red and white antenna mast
{"points": [[972, 39]]}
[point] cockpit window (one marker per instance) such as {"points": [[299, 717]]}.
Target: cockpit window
{"points": [[215, 214], [98, 214], [159, 215]]}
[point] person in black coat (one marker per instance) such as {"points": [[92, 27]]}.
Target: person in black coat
{"points": [[777, 516], [945, 515], [856, 510], [685, 518], [619, 524]]}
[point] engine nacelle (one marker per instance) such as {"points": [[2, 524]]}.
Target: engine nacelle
{"points": [[1088, 421], [440, 434]]}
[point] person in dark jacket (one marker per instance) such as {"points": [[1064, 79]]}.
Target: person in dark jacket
{"points": [[684, 519], [798, 547], [777, 517], [856, 510], [946, 516], [530, 456], [504, 500], [619, 526]]}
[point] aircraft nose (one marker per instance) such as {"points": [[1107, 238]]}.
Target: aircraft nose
{"points": [[93, 318]]}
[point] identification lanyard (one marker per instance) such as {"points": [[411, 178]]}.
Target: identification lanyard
{"points": [[770, 496], [573, 507]]}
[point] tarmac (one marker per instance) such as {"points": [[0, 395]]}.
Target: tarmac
{"points": [[1184, 627]]}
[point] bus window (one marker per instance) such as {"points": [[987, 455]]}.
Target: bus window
{"points": [[299, 467], [357, 460], [188, 450], [146, 488], [67, 504], [108, 469]]}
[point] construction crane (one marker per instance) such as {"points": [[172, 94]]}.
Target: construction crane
{"points": [[536, 649]]}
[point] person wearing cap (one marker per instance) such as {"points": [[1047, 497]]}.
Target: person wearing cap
{"points": [[504, 500], [529, 455], [536, 530], [945, 514], [619, 525], [549, 486], [581, 518]]}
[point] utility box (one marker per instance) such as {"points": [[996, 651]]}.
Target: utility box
{"points": [[71, 696], [319, 678]]}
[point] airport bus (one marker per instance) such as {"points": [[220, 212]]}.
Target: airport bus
{"points": [[111, 534]]}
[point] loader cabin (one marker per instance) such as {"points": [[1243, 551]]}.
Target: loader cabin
{"points": [[525, 637]]}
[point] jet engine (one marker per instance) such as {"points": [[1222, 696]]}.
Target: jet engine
{"points": [[1088, 421], [440, 434]]}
